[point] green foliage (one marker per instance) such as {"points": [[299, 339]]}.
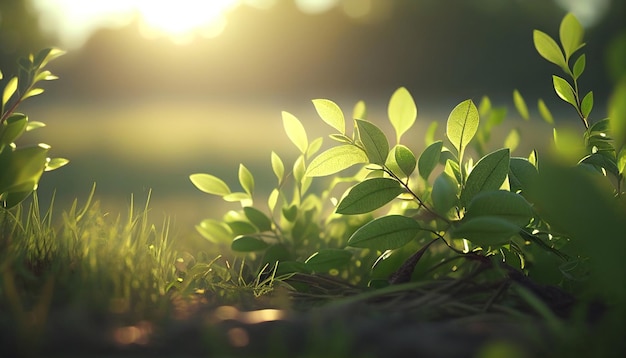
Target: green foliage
{"points": [[21, 168]]}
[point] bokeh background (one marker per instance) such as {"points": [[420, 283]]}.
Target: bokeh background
{"points": [[152, 91]]}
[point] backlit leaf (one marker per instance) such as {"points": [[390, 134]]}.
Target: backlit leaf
{"points": [[621, 161], [405, 159], [295, 131], [502, 204], [512, 139], [385, 233], [360, 110], [374, 141], [278, 167], [210, 184], [402, 111], [330, 113], [462, 125], [520, 104], [9, 90], [587, 104], [429, 159], [215, 231], [335, 160], [564, 90], [429, 136], [369, 195], [246, 179], [248, 244], [545, 112], [571, 34], [548, 48], [579, 66], [55, 163], [488, 174], [486, 231], [327, 259]]}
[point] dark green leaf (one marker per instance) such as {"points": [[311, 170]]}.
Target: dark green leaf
{"points": [[327, 259], [240, 227], [521, 174], [429, 159], [587, 104], [488, 174], [387, 232], [258, 218], [405, 159], [486, 231], [502, 204], [369, 195], [374, 141], [444, 194], [248, 244]]}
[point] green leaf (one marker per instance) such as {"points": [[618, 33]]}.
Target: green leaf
{"points": [[210, 184], [9, 90], [579, 66], [55, 163], [405, 159], [360, 110], [314, 147], [327, 259], [564, 90], [520, 104], [587, 104], [462, 125], [522, 173], [242, 197], [402, 111], [215, 231], [484, 107], [617, 114], [46, 55], [278, 167], [33, 92], [335, 160], [502, 204], [369, 195], [512, 139], [486, 231], [246, 179], [571, 34], [299, 168], [245, 243], [429, 136], [290, 213], [374, 142], [429, 159], [385, 233], [32, 125], [621, 161], [258, 218], [14, 126], [548, 48], [545, 112], [330, 113], [241, 227], [444, 193], [295, 131], [488, 174], [600, 160]]}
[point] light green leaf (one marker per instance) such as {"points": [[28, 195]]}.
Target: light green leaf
{"points": [[486, 231], [520, 104], [327, 259], [244, 198], [587, 104], [33, 92], [14, 126], [245, 243], [374, 141], [295, 131], [522, 173], [621, 161], [299, 168], [405, 159], [278, 167], [545, 112], [512, 139], [564, 90], [330, 113], [314, 147], [488, 174], [32, 125], [484, 107], [429, 159], [246, 179], [548, 48], [444, 193], [369, 195], [579, 66], [46, 55], [571, 34], [55, 163], [210, 184], [402, 111], [215, 231], [385, 233], [258, 218], [462, 125], [502, 204], [429, 136], [335, 160], [9, 90], [360, 110]]}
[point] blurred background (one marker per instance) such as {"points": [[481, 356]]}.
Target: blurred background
{"points": [[152, 91]]}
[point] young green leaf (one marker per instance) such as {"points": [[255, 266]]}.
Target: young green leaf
{"points": [[564, 90], [405, 159], [374, 141], [520, 104], [258, 218], [512, 139], [545, 112], [246, 179], [360, 110], [444, 193], [486, 231], [335, 160], [210, 184], [385, 233], [462, 125], [402, 111], [299, 168], [278, 167], [429, 159], [587, 104], [330, 113], [571, 34], [9, 90], [327, 259], [295, 131], [215, 231], [246, 243], [369, 195], [548, 48], [55, 163], [488, 174], [579, 66], [502, 204], [429, 136]]}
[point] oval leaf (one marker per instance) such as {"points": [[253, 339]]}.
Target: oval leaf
{"points": [[548, 48], [521, 174], [545, 112], [429, 159], [335, 160], [328, 259], [210, 184], [330, 113], [564, 90], [520, 104], [587, 104], [402, 111], [374, 141], [488, 174], [444, 193], [246, 179], [248, 244], [502, 204], [579, 66], [258, 218], [405, 159], [369, 195], [295, 131], [9, 90], [571, 34], [387, 232], [486, 231], [462, 125], [278, 167]]}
